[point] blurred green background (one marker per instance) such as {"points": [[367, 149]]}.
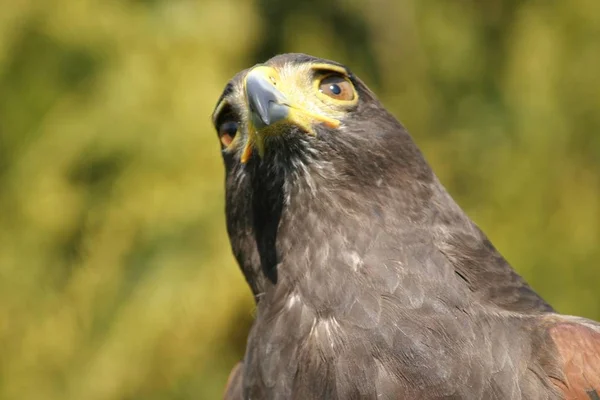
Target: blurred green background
{"points": [[116, 277]]}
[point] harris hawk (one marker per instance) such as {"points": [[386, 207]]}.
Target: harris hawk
{"points": [[370, 281]]}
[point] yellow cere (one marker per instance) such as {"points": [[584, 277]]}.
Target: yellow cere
{"points": [[304, 112]]}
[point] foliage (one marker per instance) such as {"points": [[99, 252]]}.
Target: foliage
{"points": [[116, 277]]}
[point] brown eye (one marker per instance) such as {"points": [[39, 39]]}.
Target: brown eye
{"points": [[337, 87], [227, 131]]}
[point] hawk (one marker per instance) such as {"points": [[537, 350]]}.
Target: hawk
{"points": [[370, 281]]}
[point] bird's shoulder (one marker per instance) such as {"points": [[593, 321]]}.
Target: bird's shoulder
{"points": [[577, 343]]}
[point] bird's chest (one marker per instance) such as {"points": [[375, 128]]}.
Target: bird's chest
{"points": [[296, 352], [292, 352]]}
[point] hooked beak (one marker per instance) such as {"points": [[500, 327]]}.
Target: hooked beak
{"points": [[267, 104], [271, 111]]}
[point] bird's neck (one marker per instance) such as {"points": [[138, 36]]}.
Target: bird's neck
{"points": [[329, 238], [325, 237]]}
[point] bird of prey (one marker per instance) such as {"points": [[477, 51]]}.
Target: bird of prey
{"points": [[370, 281]]}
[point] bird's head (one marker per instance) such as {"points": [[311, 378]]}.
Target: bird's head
{"points": [[312, 157], [295, 110]]}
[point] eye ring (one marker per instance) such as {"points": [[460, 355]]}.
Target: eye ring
{"points": [[227, 132], [337, 87]]}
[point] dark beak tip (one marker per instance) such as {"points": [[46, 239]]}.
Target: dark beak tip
{"points": [[265, 118]]}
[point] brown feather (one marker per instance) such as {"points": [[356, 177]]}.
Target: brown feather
{"points": [[579, 349]]}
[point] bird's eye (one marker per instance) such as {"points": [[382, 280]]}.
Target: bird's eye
{"points": [[337, 87], [227, 131]]}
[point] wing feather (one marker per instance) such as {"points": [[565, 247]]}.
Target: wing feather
{"points": [[578, 345]]}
